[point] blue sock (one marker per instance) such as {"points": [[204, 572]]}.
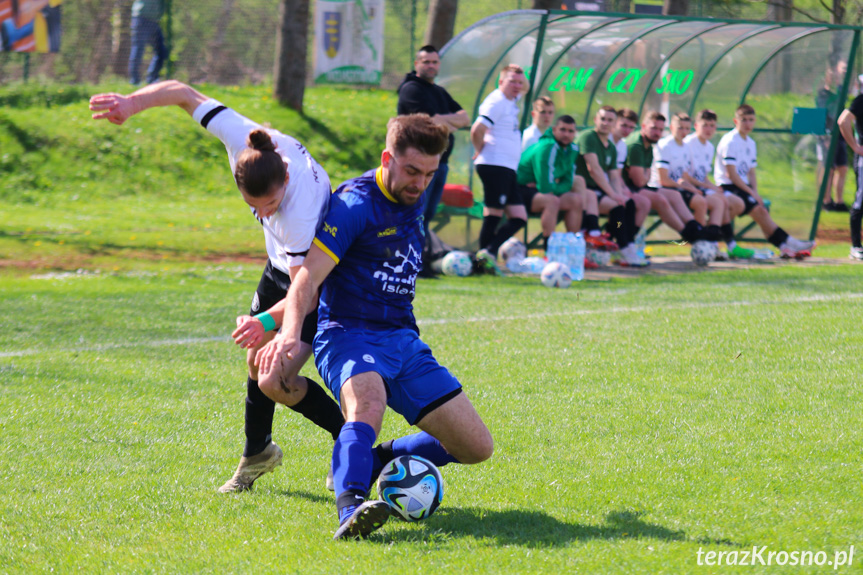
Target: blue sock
{"points": [[352, 465], [424, 445]]}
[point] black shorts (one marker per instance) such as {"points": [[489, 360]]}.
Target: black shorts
{"points": [[527, 195], [500, 186], [749, 202], [687, 196], [272, 289], [840, 159], [599, 193]]}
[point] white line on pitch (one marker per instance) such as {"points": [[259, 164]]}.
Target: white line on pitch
{"points": [[443, 321]]}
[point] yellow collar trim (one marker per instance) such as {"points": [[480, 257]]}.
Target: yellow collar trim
{"points": [[379, 180]]}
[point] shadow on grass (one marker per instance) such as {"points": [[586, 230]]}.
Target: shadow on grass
{"points": [[534, 529], [313, 497]]}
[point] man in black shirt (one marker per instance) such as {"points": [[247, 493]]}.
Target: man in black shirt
{"points": [[854, 114], [419, 94]]}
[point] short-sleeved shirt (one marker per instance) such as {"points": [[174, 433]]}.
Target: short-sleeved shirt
{"points": [[638, 154], [420, 96], [530, 136], [856, 108], [150, 9], [621, 153], [589, 142], [289, 232], [377, 245], [700, 157], [670, 155], [502, 140], [734, 150]]}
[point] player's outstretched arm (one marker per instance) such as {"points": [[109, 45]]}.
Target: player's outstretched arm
{"points": [[299, 302], [250, 329], [117, 108]]}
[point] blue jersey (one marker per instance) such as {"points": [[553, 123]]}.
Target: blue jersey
{"points": [[377, 244]]}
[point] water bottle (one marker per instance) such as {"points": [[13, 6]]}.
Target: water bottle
{"points": [[576, 265], [763, 254], [640, 243], [556, 249]]}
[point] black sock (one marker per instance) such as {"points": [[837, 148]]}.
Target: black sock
{"points": [[488, 229], [505, 232], [349, 498], [778, 237], [545, 243], [727, 232], [617, 227], [320, 409], [713, 233], [632, 229], [259, 419], [692, 231], [856, 220], [591, 222]]}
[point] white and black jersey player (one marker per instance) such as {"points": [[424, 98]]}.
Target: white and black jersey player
{"points": [[735, 170], [288, 193]]}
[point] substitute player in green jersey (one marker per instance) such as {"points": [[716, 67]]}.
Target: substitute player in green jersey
{"points": [[597, 164]]}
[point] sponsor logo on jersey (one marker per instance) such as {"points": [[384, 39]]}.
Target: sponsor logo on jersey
{"points": [[332, 230], [368, 359], [401, 277], [387, 232]]}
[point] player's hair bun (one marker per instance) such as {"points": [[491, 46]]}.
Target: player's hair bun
{"points": [[260, 140]]}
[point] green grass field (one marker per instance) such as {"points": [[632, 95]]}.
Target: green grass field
{"points": [[637, 421]]}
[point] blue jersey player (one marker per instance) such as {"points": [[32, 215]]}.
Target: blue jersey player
{"points": [[365, 257]]}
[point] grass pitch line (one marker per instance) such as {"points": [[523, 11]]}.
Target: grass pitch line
{"points": [[445, 321], [634, 309], [126, 345]]}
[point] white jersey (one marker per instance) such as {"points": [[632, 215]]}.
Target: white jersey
{"points": [[670, 155], [700, 157], [734, 150], [502, 141], [289, 232], [622, 150], [530, 136]]}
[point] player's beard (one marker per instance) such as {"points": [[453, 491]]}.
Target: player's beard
{"points": [[408, 196]]}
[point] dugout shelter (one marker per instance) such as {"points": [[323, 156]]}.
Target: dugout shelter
{"points": [[796, 75]]}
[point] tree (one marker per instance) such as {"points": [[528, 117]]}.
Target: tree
{"points": [[289, 82], [123, 38], [675, 7], [441, 22]]}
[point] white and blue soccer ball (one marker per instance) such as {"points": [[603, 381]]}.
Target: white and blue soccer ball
{"points": [[513, 249], [412, 486], [703, 252], [556, 275], [457, 263]]}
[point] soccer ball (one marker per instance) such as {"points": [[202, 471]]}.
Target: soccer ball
{"points": [[556, 274], [457, 264], [411, 486], [600, 257], [702, 252], [513, 249]]}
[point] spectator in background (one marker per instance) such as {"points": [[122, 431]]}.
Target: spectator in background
{"points": [[828, 98], [146, 30], [847, 120], [542, 114], [496, 137], [419, 94]]}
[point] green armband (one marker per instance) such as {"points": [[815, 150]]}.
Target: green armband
{"points": [[267, 320]]}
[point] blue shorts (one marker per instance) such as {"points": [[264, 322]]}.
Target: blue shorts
{"points": [[416, 383]]}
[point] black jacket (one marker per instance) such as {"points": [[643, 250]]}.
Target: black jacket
{"points": [[418, 96]]}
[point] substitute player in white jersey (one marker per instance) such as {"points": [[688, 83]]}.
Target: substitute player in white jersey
{"points": [[734, 170], [701, 152], [672, 161], [288, 193]]}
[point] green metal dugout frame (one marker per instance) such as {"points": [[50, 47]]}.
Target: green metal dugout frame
{"points": [[676, 68]]}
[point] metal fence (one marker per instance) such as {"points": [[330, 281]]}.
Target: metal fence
{"points": [[221, 41]]}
